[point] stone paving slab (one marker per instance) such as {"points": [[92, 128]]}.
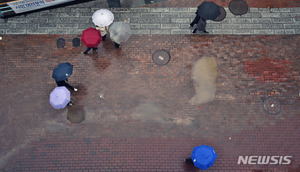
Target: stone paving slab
{"points": [[258, 21], [250, 3]]}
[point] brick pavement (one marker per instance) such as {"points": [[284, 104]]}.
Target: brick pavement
{"points": [[60, 153], [34, 136], [168, 20]]}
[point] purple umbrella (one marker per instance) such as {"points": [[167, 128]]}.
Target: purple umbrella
{"points": [[60, 97]]}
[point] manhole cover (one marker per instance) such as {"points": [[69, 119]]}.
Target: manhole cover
{"points": [[60, 43], [272, 106], [222, 15], [76, 42], [161, 57], [75, 114], [238, 7]]}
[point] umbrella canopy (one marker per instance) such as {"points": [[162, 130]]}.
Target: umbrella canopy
{"points": [[203, 156], [119, 31], [103, 17], [208, 10], [60, 97], [62, 71], [91, 37]]}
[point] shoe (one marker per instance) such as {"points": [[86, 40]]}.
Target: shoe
{"points": [[205, 31], [84, 52], [195, 30], [75, 89], [70, 104]]}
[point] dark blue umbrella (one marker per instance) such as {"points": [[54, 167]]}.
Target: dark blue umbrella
{"points": [[203, 156], [208, 10], [62, 71]]}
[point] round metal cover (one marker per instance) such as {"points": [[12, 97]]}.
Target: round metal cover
{"points": [[222, 14], [75, 114], [272, 106], [238, 7], [76, 42], [161, 57], [60, 43]]}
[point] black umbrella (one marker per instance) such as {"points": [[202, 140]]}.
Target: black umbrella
{"points": [[62, 71], [208, 10]]}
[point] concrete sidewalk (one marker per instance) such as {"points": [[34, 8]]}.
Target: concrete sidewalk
{"points": [[74, 19]]}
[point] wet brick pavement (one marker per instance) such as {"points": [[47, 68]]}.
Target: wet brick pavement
{"points": [[145, 121]]}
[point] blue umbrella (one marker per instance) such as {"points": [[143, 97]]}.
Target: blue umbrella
{"points": [[203, 156], [62, 71], [60, 97], [208, 10]]}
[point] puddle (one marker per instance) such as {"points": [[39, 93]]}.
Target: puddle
{"points": [[75, 114], [149, 111], [204, 74]]}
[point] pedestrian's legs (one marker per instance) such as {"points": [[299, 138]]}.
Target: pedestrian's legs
{"points": [[64, 83], [104, 37], [189, 160], [195, 21], [87, 50], [195, 30], [95, 48], [116, 45], [69, 86]]}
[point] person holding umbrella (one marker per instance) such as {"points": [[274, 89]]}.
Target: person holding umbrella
{"points": [[202, 157], [102, 19], [205, 11], [119, 32], [91, 38], [60, 97], [61, 74]]}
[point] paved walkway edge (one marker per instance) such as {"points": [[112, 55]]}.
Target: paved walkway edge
{"points": [[72, 20]]}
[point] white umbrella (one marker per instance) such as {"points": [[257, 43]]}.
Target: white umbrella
{"points": [[103, 17], [60, 97], [119, 31]]}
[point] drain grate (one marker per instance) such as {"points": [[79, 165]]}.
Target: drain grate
{"points": [[272, 106], [76, 42], [238, 7], [60, 43], [161, 57], [222, 14]]}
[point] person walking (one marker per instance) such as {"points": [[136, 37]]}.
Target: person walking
{"points": [[65, 83], [103, 31], [201, 25], [119, 32], [91, 38], [196, 19]]}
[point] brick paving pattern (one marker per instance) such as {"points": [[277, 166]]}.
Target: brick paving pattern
{"points": [[119, 132], [138, 116]]}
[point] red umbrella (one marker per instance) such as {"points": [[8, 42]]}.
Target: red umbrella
{"points": [[91, 37]]}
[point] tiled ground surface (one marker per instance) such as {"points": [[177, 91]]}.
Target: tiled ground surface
{"points": [[224, 3], [145, 121]]}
